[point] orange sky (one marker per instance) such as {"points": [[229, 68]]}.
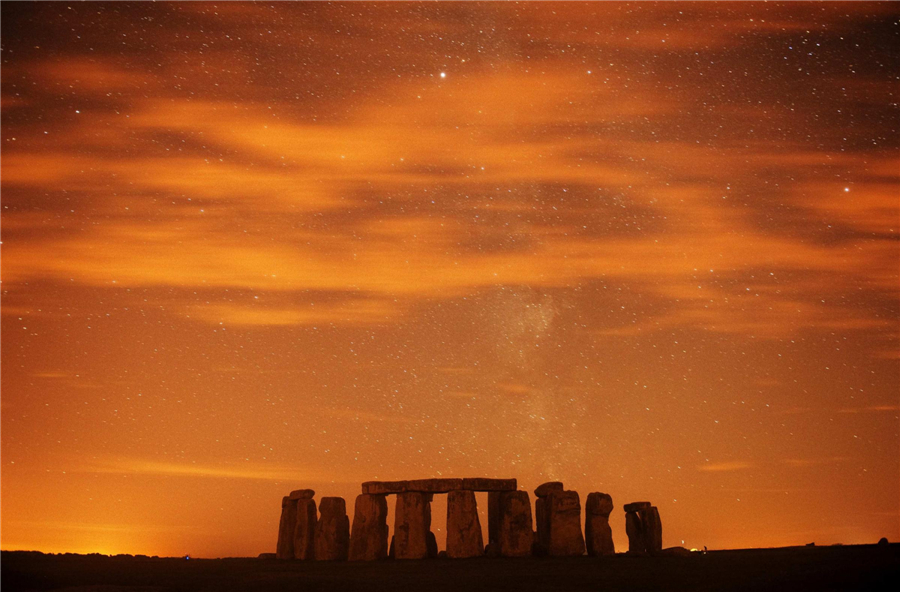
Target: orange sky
{"points": [[650, 250]]}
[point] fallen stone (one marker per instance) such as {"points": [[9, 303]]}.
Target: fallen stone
{"points": [[566, 538], [652, 529], [266, 556], [515, 535], [332, 530], [597, 532], [544, 489], [636, 506], [305, 530], [677, 552], [635, 532], [369, 539], [412, 524], [464, 537], [285, 547], [302, 494]]}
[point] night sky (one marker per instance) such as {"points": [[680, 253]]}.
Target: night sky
{"points": [[648, 249]]}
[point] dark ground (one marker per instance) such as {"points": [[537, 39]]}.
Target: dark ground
{"points": [[858, 567]]}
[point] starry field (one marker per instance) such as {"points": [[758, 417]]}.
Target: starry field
{"points": [[645, 249]]}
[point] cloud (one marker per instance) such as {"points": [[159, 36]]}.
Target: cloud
{"points": [[249, 470], [726, 466]]}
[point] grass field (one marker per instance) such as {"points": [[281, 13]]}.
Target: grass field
{"points": [[860, 567]]}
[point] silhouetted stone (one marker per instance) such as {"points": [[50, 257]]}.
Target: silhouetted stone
{"points": [[566, 538], [482, 484], [438, 485], [635, 532], [412, 523], [636, 506], [431, 545], [260, 556], [285, 547], [384, 487], [305, 530], [677, 552], [368, 541], [332, 530], [493, 517], [883, 541], [545, 489], [463, 526], [597, 532], [391, 551], [515, 536], [302, 494], [652, 529], [542, 521]]}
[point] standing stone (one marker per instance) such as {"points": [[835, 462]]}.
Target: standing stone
{"points": [[305, 530], [545, 489], [542, 514], [463, 526], [493, 517], [285, 547], [597, 532], [332, 540], [635, 532], [369, 540], [652, 529], [412, 523], [542, 517], [515, 530], [566, 538]]}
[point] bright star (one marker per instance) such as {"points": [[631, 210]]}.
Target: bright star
{"points": [[443, 74]]}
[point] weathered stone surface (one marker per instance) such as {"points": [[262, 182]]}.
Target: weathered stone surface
{"points": [[302, 494], [332, 530], [544, 489], [542, 520], [369, 539], [434, 485], [438, 485], [635, 532], [431, 545], [598, 504], [463, 526], [515, 535], [597, 532], [493, 518], [384, 487], [652, 529], [482, 484], [412, 523], [285, 547], [305, 530], [566, 538], [636, 506]]}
